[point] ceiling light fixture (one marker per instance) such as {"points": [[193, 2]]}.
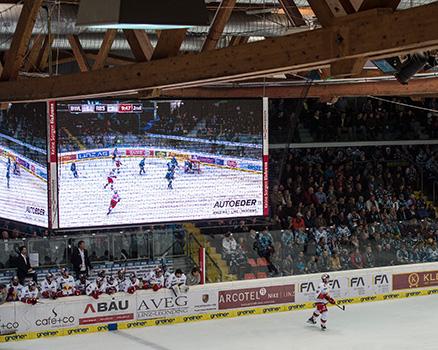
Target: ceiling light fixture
{"points": [[142, 14]]}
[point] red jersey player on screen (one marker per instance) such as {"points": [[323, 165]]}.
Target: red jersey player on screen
{"points": [[322, 298], [118, 164], [114, 200], [110, 180]]}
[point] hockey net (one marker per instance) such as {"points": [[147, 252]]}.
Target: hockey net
{"points": [[193, 167]]}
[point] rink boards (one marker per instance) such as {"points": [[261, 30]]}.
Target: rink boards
{"points": [[80, 315]]}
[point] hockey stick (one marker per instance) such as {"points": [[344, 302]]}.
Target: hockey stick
{"points": [[342, 307]]}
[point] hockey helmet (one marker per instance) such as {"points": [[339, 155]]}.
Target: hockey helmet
{"points": [[325, 277]]}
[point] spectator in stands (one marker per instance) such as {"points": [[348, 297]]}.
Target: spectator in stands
{"points": [[287, 266], [264, 246], [194, 278], [357, 261], [80, 260], [298, 222], [229, 246], [24, 269], [335, 262]]}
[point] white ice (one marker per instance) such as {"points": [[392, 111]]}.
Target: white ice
{"points": [[399, 324], [25, 190], [146, 198]]}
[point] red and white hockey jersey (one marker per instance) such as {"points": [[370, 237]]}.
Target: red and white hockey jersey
{"points": [[323, 293], [173, 280], [26, 293], [66, 285], [48, 288]]}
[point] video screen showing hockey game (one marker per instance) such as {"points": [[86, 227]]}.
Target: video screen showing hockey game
{"points": [[23, 169], [127, 162]]}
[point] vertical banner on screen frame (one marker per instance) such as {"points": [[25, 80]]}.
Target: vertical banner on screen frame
{"points": [[52, 166], [265, 156]]}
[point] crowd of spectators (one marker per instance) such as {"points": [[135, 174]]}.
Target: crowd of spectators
{"points": [[341, 208], [301, 250], [358, 119]]}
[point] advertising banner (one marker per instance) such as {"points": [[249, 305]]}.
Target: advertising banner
{"points": [[415, 280], [77, 315], [237, 298]]}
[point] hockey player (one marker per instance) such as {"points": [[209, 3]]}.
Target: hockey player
{"points": [[66, 283], [29, 294], [74, 170], [13, 289], [141, 165], [133, 283], [177, 282], [111, 285], [122, 281], [322, 298], [49, 287], [154, 279], [115, 154], [95, 289], [110, 179], [81, 285], [17, 171], [188, 167], [114, 200], [8, 175], [170, 176], [172, 165], [118, 164]]}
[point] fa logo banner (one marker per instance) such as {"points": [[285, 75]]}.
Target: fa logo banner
{"points": [[381, 279], [356, 282], [307, 287]]}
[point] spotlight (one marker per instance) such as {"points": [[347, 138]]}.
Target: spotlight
{"points": [[410, 67], [413, 65]]}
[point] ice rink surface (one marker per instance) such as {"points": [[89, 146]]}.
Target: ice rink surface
{"points": [[25, 190], [397, 324], [83, 201]]}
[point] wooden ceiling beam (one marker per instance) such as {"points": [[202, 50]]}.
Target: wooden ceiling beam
{"points": [[32, 57], [416, 87], [20, 41], [169, 43], [415, 29], [79, 53], [348, 67], [327, 10], [217, 27], [105, 49], [140, 44], [238, 40], [45, 51], [370, 4], [292, 12]]}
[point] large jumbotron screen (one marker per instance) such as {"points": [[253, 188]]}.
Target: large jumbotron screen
{"points": [[130, 162], [23, 163]]}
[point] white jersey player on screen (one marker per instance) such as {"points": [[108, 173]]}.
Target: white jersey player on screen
{"points": [[322, 297]]}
